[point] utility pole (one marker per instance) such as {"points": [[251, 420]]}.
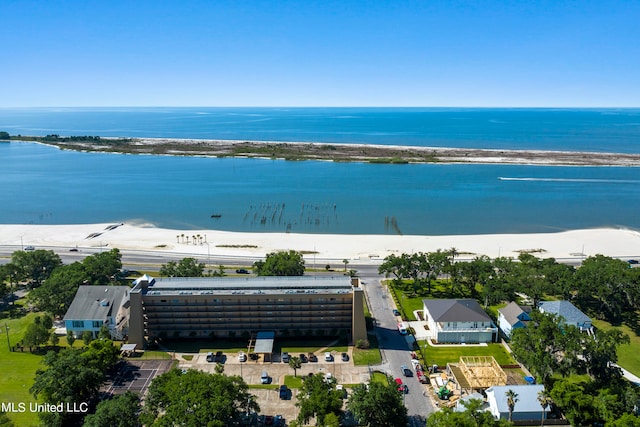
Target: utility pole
{"points": [[7, 330]]}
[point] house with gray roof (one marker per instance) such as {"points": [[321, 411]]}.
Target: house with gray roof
{"points": [[94, 306], [570, 314], [527, 408], [458, 321], [513, 316]]}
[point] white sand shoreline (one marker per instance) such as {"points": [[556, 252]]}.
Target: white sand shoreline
{"points": [[566, 245]]}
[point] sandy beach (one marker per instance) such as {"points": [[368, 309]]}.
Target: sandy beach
{"points": [[567, 245]]}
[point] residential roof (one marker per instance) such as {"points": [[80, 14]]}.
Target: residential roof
{"points": [[512, 311], [456, 310], [527, 397], [568, 311], [97, 302]]}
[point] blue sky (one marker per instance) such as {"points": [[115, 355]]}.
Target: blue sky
{"points": [[320, 53]]}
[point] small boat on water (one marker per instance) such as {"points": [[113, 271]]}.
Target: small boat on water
{"points": [[216, 215]]}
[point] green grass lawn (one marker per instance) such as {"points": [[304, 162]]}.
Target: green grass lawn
{"points": [[293, 382], [628, 354], [441, 355], [18, 370], [370, 356], [379, 377]]}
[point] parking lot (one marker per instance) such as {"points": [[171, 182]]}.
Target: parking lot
{"points": [[268, 398]]}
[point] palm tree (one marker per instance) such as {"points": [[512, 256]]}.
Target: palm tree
{"points": [[295, 363], [178, 238], [512, 399], [545, 401], [345, 262], [182, 235]]}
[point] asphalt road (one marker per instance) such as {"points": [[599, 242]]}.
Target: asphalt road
{"points": [[394, 347]]}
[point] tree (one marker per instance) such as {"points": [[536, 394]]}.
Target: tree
{"points": [[67, 379], [103, 268], [87, 337], [512, 399], [119, 411], [36, 334], [54, 338], [345, 262], [58, 290], [189, 399], [70, 338], [295, 363], [601, 355], [5, 421], [379, 406], [5, 136], [544, 398], [547, 346], [472, 416], [318, 398], [35, 266], [101, 353], [187, 267], [282, 263], [392, 264], [608, 283]]}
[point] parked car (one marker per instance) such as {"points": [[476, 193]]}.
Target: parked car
{"points": [[265, 378], [345, 357], [313, 357], [328, 357], [633, 261], [210, 357], [285, 357], [242, 271], [242, 357], [284, 392], [219, 357], [406, 371], [29, 248], [396, 312], [303, 358]]}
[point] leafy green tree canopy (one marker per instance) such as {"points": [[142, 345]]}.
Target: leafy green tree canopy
{"points": [[318, 397], [197, 398], [187, 267], [282, 263], [378, 406], [119, 411], [35, 266]]}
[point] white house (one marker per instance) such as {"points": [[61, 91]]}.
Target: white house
{"points": [[458, 321], [526, 408], [570, 314], [513, 316], [94, 306]]}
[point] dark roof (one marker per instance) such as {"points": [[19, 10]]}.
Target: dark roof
{"points": [[97, 302], [456, 310], [512, 311]]}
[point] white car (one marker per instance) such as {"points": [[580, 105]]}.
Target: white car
{"points": [[328, 357], [242, 357]]}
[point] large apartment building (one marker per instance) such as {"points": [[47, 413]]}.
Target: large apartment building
{"points": [[223, 307]]}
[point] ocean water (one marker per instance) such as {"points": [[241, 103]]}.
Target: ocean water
{"points": [[44, 185]]}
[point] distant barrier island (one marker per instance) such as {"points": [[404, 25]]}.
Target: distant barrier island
{"points": [[365, 153]]}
